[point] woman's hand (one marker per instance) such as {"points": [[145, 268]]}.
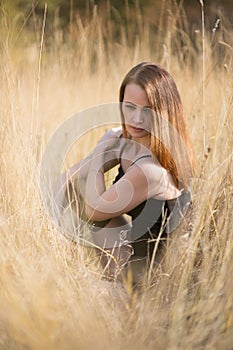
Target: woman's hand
{"points": [[112, 134], [110, 144], [109, 139], [115, 147]]}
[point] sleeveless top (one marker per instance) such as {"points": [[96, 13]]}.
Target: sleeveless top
{"points": [[154, 215]]}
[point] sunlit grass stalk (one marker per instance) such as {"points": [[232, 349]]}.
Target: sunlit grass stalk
{"points": [[203, 73], [39, 70]]}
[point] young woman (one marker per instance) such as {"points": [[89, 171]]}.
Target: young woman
{"points": [[155, 165]]}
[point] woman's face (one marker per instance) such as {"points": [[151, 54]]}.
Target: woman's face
{"points": [[136, 111]]}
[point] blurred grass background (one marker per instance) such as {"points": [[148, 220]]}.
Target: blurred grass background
{"points": [[56, 59]]}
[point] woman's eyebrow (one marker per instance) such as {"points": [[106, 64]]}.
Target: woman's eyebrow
{"points": [[130, 103]]}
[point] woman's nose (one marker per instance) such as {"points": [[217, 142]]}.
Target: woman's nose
{"points": [[137, 116]]}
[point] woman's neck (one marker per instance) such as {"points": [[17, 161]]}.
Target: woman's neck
{"points": [[145, 141]]}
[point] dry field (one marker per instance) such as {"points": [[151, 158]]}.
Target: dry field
{"points": [[54, 298]]}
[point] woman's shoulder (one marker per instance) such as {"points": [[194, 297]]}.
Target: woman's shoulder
{"points": [[148, 163], [159, 180]]}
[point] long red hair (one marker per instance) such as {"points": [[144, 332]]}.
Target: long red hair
{"points": [[170, 142]]}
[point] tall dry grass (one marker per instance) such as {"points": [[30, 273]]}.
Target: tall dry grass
{"points": [[52, 298]]}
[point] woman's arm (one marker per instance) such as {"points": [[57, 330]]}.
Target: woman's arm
{"points": [[80, 170], [110, 157], [143, 180]]}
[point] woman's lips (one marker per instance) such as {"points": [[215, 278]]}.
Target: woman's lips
{"points": [[135, 128]]}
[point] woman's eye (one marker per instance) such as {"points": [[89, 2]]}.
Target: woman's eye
{"points": [[147, 111], [130, 107]]}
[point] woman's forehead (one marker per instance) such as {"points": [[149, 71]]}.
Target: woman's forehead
{"points": [[135, 94]]}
